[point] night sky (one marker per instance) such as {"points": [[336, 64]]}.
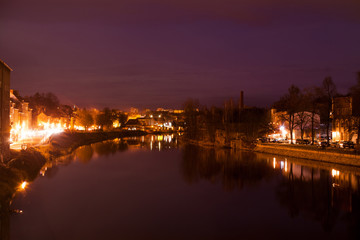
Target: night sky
{"points": [[158, 53]]}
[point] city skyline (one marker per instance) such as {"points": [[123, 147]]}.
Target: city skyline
{"points": [[158, 54]]}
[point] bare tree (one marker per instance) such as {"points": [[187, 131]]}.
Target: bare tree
{"points": [[290, 103], [84, 118], [313, 106], [302, 118], [328, 92], [191, 112]]}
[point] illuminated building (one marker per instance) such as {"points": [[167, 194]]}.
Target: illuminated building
{"points": [[20, 113], [4, 112], [343, 119], [279, 121], [133, 124], [159, 120]]}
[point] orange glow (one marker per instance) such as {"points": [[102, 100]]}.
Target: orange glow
{"points": [[274, 163], [335, 172], [23, 186], [21, 133]]}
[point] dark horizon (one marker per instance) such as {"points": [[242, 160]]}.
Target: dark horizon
{"points": [[158, 54]]}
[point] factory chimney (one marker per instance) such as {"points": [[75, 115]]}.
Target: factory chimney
{"points": [[241, 101]]}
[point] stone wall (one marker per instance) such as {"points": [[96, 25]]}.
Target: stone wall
{"points": [[318, 155]]}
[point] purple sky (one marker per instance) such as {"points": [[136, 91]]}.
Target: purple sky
{"points": [[156, 53]]}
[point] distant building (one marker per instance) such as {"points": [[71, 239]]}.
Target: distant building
{"points": [[134, 113], [134, 110], [42, 119], [159, 120], [344, 120], [20, 113], [4, 111], [133, 124]]}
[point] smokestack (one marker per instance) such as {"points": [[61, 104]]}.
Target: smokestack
{"points": [[241, 101]]}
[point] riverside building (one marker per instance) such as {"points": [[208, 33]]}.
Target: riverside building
{"points": [[4, 111]]}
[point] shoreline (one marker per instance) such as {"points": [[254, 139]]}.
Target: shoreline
{"points": [[319, 155], [66, 142], [329, 156], [24, 165]]}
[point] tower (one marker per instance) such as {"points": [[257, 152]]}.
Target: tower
{"points": [[241, 100]]}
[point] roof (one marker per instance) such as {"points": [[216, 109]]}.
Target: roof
{"points": [[133, 122], [1, 61], [13, 97]]}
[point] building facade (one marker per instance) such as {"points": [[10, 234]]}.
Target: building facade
{"points": [[343, 119], [20, 113], [4, 111]]}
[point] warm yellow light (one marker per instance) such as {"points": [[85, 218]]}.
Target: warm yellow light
{"points": [[283, 131], [335, 172], [116, 124], [23, 185], [21, 132], [274, 163]]}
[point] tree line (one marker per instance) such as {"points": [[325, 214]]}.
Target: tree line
{"points": [[301, 107], [203, 123]]}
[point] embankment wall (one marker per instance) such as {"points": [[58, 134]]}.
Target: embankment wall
{"points": [[311, 154]]}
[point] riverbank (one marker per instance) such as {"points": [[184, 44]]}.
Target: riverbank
{"points": [[329, 155], [315, 154], [66, 142], [32, 159], [25, 165]]}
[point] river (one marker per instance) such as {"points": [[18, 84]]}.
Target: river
{"points": [[154, 188]]}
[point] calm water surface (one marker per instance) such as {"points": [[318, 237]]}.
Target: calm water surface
{"points": [[151, 188]]}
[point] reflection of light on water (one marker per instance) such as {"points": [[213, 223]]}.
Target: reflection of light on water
{"points": [[18, 211], [335, 172], [282, 165], [159, 146], [151, 144], [285, 165], [168, 138], [274, 163]]}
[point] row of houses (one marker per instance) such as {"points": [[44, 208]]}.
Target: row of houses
{"points": [[159, 120], [20, 113]]}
